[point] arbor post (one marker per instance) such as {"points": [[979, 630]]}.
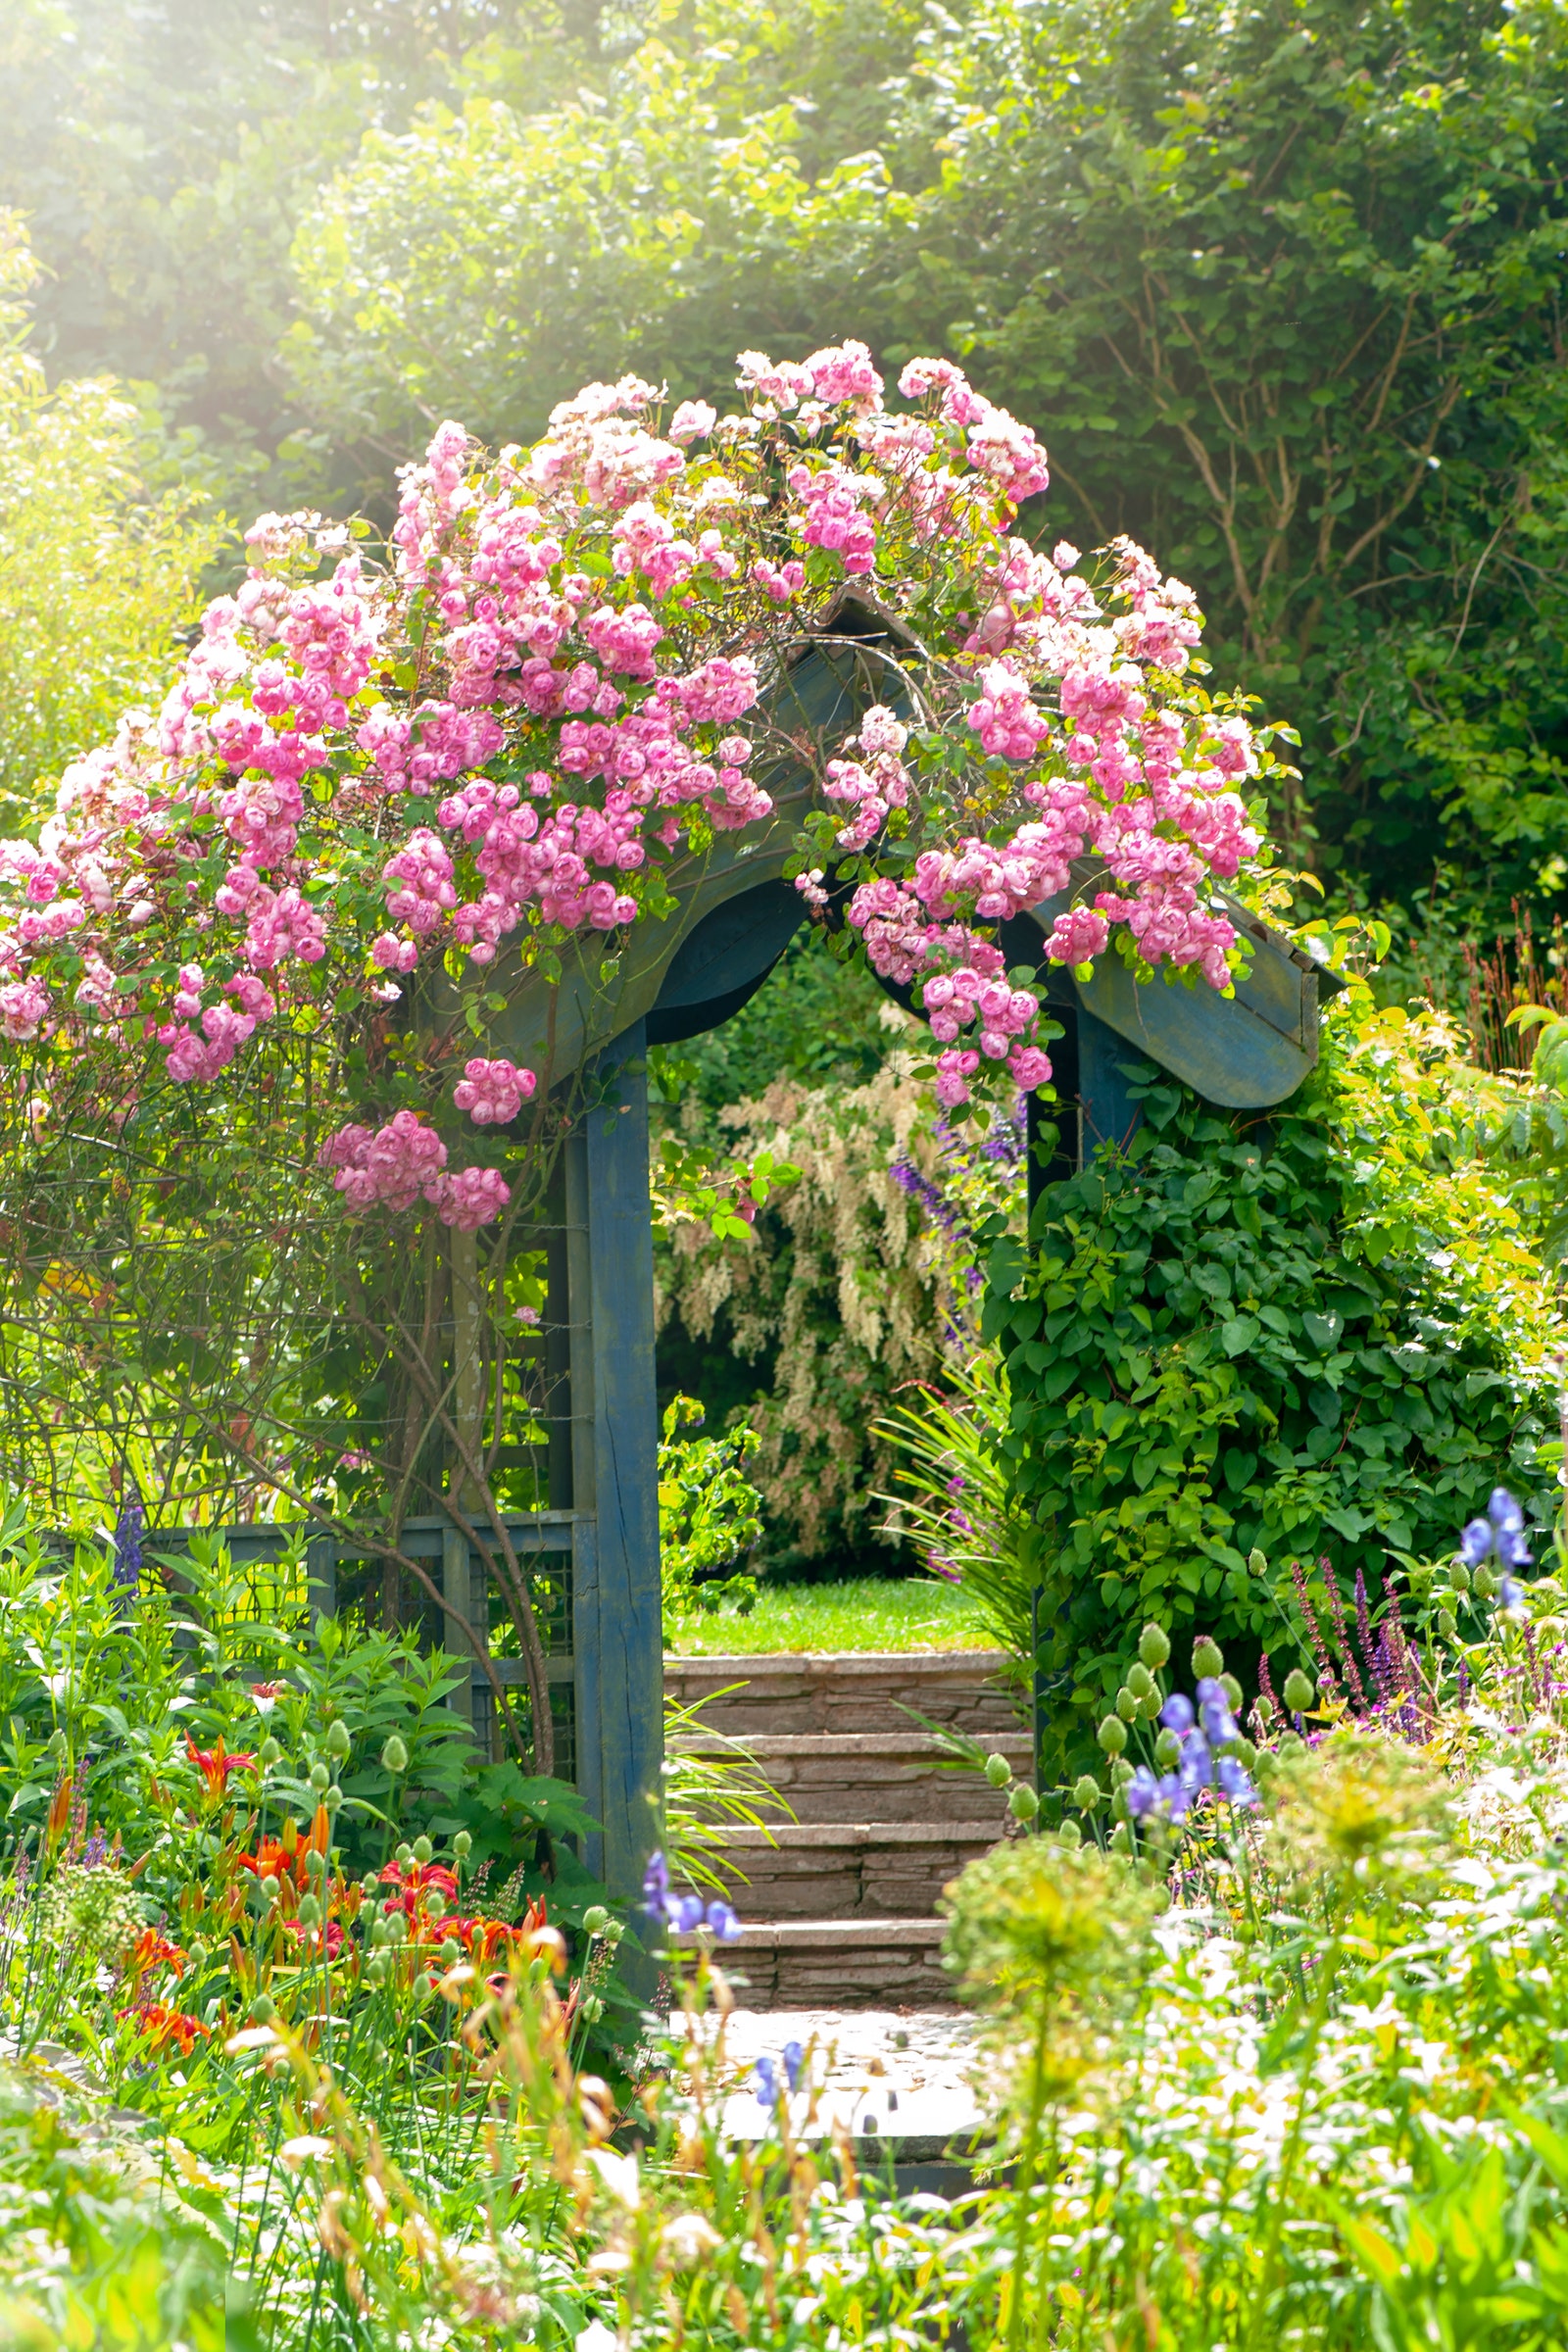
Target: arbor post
{"points": [[616, 1619]]}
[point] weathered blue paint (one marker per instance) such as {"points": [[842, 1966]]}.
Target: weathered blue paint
{"points": [[1109, 1115], [617, 1643]]}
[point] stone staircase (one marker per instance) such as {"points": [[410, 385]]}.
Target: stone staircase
{"points": [[839, 1908]]}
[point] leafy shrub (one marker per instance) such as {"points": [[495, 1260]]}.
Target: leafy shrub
{"points": [[97, 571], [1318, 1335], [710, 1516], [855, 1281]]}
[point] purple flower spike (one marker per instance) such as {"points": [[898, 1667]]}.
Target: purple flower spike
{"points": [[1510, 1594], [655, 1887], [1142, 1794], [686, 1914], [1234, 1781], [767, 2083], [1177, 1714], [793, 2061], [723, 1922]]}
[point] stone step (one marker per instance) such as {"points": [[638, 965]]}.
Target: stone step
{"points": [[871, 1776], [807, 1691], [841, 1964], [840, 1869]]}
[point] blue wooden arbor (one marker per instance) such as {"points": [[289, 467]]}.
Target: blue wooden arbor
{"points": [[593, 1554], [672, 982]]}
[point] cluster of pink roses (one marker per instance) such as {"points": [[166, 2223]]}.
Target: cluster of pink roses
{"points": [[519, 731]]}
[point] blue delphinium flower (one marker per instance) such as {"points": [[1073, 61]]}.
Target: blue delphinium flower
{"points": [[722, 1921], [1204, 1733], [1510, 1594], [1500, 1534], [656, 1888], [685, 1913], [793, 2061], [767, 2083]]}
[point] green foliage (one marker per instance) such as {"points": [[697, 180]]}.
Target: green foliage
{"points": [[955, 1498], [1281, 287], [89, 2259], [97, 571], [1248, 1341], [709, 1517]]}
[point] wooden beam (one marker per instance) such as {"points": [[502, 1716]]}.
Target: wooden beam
{"points": [[617, 1636]]}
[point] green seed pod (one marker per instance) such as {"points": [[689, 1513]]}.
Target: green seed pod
{"points": [[1126, 1703], [1023, 1804], [1121, 1772], [310, 1911], [270, 1753], [463, 1846], [1244, 1752], [338, 1739], [1263, 1706], [1112, 1736], [1233, 1691], [423, 1851], [333, 1799], [1300, 1691], [263, 2009], [382, 1931], [596, 1919], [378, 1970], [423, 1986], [1256, 1565], [1207, 1658], [1149, 1705], [403, 1854], [1118, 1808], [1154, 1647], [1121, 1839], [1087, 1793], [270, 1887], [320, 1778], [395, 1757], [371, 1885], [1290, 1742], [1167, 1750], [1460, 1576], [1139, 1682], [198, 1956], [999, 1772], [593, 2009], [1069, 1834], [450, 1951], [615, 1929], [1448, 1623]]}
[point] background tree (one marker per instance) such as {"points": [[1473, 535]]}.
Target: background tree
{"points": [[98, 566]]}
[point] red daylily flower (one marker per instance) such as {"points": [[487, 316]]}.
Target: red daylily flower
{"points": [[166, 2025], [151, 1950], [417, 1878], [215, 1765], [310, 1937]]}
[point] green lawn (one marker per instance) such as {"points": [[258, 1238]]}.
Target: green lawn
{"points": [[867, 1613]]}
